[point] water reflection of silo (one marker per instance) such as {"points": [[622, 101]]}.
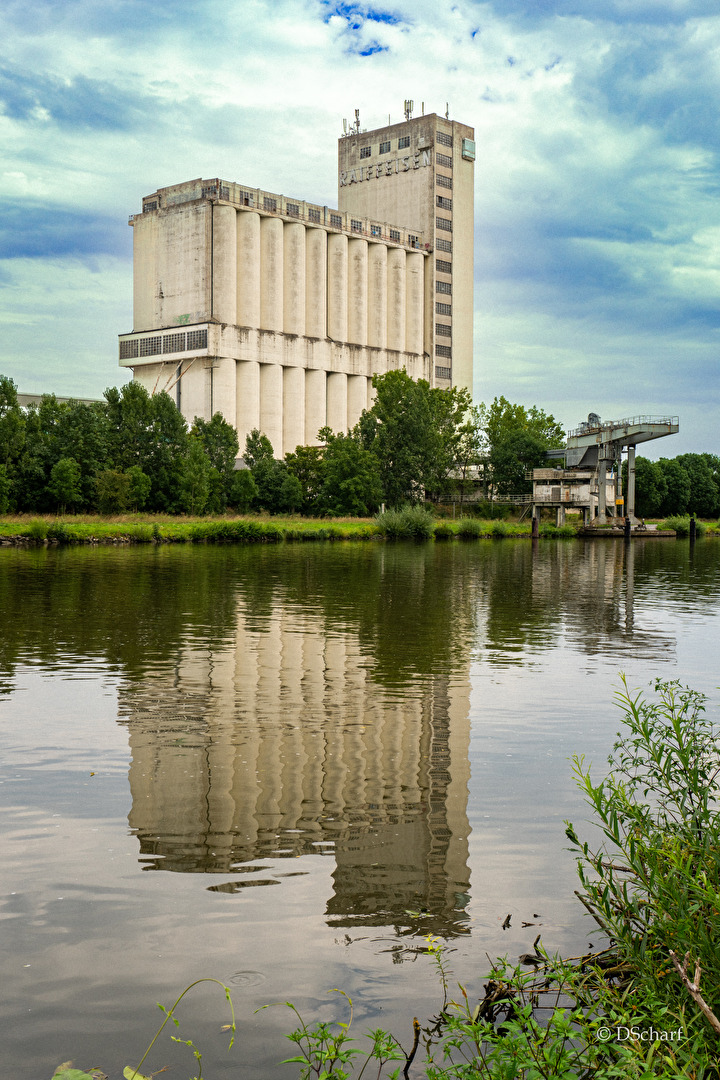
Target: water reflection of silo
{"points": [[279, 742]]}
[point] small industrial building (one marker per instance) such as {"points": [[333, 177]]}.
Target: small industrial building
{"points": [[277, 312], [589, 480]]}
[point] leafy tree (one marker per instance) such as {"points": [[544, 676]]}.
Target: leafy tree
{"points": [[243, 490], [307, 463], [472, 448], [412, 429], [138, 487], [351, 482], [66, 483], [677, 481], [518, 452], [113, 491], [257, 448], [503, 419], [195, 476], [279, 491], [5, 489], [704, 488], [518, 439], [12, 423], [220, 442], [650, 486]]}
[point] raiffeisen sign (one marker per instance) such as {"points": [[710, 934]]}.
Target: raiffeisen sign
{"points": [[419, 160]]}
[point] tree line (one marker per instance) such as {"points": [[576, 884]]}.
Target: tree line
{"points": [[686, 484], [134, 451]]}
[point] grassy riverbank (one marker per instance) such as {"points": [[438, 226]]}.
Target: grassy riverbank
{"points": [[410, 523], [247, 529]]}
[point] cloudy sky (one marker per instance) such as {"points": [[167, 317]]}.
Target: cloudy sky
{"points": [[597, 226]]}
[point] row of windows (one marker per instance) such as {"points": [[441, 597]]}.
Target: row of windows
{"points": [[444, 160], [443, 223], [443, 309], [313, 214], [445, 140], [443, 350], [355, 225], [157, 344], [443, 267], [443, 203], [443, 181], [385, 147], [443, 287], [270, 204], [443, 330], [443, 245], [443, 373]]}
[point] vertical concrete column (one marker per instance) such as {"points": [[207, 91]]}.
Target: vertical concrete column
{"points": [[396, 298], [315, 405], [357, 290], [293, 277], [316, 290], [224, 264], [224, 392], [337, 401], [377, 296], [356, 398], [247, 399], [145, 271], [337, 315], [602, 488], [271, 273], [293, 408], [248, 268], [630, 497], [415, 285], [271, 405]]}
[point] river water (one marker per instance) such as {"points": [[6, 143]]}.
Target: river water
{"points": [[284, 767]]}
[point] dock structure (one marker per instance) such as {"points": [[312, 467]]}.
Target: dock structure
{"points": [[590, 479]]}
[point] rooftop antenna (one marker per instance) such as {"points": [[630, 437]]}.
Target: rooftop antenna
{"points": [[447, 111], [423, 108], [345, 127], [409, 106], [357, 122]]}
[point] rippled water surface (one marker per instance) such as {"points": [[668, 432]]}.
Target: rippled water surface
{"points": [[283, 767]]}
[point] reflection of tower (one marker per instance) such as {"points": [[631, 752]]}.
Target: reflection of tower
{"points": [[279, 742]]}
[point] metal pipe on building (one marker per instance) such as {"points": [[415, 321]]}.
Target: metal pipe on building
{"points": [[248, 259]]}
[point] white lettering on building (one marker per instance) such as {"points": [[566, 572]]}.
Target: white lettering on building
{"points": [[420, 160]]}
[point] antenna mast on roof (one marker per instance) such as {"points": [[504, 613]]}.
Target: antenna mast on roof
{"points": [[409, 106]]}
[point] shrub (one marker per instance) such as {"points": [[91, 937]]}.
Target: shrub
{"points": [[470, 529], [38, 529], [443, 531], [681, 525], [499, 529], [407, 523]]}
